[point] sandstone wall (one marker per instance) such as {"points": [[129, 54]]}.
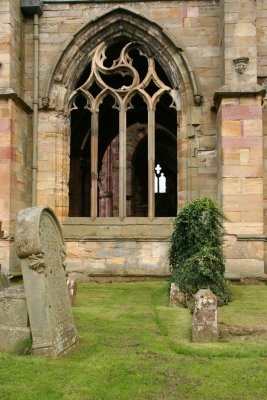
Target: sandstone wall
{"points": [[110, 247], [220, 149], [261, 25], [15, 128]]}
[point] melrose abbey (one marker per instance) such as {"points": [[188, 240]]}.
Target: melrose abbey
{"points": [[116, 114]]}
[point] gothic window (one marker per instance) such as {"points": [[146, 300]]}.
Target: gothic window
{"points": [[123, 118]]}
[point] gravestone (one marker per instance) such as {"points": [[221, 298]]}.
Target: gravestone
{"points": [[41, 248], [176, 296], [204, 324], [4, 281], [14, 322]]}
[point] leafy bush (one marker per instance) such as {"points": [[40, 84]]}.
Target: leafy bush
{"points": [[196, 253]]}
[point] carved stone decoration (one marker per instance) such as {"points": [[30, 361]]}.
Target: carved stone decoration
{"points": [[40, 246], [45, 102], [198, 99], [241, 64], [262, 80], [123, 95], [37, 262], [63, 255]]}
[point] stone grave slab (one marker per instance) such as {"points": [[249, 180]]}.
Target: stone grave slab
{"points": [[205, 324], [177, 297], [40, 246], [14, 322]]}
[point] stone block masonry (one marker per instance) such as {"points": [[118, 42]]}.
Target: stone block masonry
{"points": [[218, 61]]}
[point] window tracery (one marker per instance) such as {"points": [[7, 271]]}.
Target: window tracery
{"points": [[129, 82]]}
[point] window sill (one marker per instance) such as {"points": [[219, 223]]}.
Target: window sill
{"points": [[113, 228]]}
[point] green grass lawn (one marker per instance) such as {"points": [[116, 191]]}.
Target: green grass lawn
{"points": [[132, 346]]}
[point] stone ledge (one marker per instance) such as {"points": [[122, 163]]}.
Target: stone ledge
{"points": [[9, 93], [252, 238], [117, 221], [114, 229], [245, 90], [114, 239]]}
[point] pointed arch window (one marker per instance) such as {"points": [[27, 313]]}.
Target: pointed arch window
{"points": [[116, 78]]}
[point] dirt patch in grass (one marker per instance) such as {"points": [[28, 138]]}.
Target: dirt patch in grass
{"points": [[227, 331]]}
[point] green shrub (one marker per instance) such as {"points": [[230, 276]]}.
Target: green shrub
{"points": [[196, 253]]}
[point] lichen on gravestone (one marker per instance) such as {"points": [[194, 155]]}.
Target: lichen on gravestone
{"points": [[204, 323]]}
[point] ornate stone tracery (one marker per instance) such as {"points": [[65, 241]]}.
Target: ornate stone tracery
{"points": [[149, 87], [124, 67]]}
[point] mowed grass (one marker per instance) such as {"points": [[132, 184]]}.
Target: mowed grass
{"points": [[132, 346]]}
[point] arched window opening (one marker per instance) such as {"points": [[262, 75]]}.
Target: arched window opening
{"points": [[166, 156], [80, 160], [123, 121]]}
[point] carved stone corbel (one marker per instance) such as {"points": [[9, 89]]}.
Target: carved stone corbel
{"points": [[241, 64], [198, 98], [45, 102]]}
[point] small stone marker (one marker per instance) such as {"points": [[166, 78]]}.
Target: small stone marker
{"points": [[4, 281], [72, 288], [176, 296], [40, 246], [204, 324]]}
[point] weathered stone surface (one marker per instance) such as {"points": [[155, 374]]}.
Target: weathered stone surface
{"points": [[13, 308], [14, 321], [176, 296], [4, 281], [40, 245], [204, 324], [11, 337]]}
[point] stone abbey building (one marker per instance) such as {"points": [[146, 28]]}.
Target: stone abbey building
{"points": [[115, 114]]}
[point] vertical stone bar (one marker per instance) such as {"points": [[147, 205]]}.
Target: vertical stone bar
{"points": [[94, 160], [151, 163], [122, 164]]}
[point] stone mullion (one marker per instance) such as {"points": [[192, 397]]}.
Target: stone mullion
{"points": [[122, 162], [94, 163], [151, 163]]}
